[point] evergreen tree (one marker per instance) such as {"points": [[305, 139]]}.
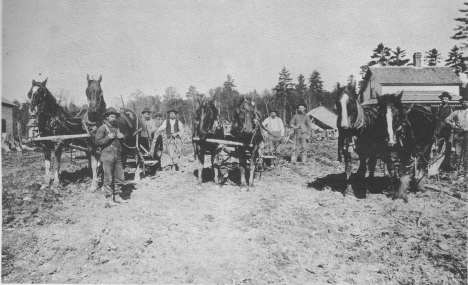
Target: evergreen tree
{"points": [[456, 61], [398, 57], [462, 29], [283, 90], [315, 89], [432, 57], [301, 87], [381, 55]]}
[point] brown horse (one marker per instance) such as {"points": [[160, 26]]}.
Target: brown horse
{"points": [[207, 125], [53, 120], [246, 128], [128, 122], [357, 127], [410, 133]]}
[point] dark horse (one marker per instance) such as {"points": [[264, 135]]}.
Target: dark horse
{"points": [[128, 122], [53, 120], [207, 125], [357, 127], [410, 133], [246, 128]]}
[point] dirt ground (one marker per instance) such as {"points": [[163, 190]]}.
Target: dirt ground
{"points": [[295, 227]]}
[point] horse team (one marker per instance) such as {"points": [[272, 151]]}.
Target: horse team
{"points": [[399, 135]]}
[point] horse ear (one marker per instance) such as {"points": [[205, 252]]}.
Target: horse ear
{"points": [[398, 97], [44, 82], [100, 78], [34, 82], [87, 78]]}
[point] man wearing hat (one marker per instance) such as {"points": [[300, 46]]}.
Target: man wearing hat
{"points": [[444, 130], [174, 130], [459, 120], [302, 127], [148, 124], [276, 128], [108, 138]]}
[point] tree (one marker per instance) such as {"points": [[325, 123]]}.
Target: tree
{"points": [[315, 89], [381, 55], [301, 87], [462, 29], [398, 57], [283, 90], [432, 57], [456, 61]]}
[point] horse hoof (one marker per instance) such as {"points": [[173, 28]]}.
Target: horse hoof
{"points": [[348, 191], [93, 187]]}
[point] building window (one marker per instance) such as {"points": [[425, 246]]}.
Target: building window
{"points": [[372, 87], [3, 126]]}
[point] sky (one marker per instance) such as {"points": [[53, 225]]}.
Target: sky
{"points": [[151, 45]]}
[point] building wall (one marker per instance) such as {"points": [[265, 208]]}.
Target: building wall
{"points": [[372, 87], [394, 89], [7, 115]]}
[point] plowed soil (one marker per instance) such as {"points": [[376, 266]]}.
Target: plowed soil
{"points": [[293, 227]]}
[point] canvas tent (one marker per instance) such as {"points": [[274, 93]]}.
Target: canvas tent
{"points": [[323, 118]]}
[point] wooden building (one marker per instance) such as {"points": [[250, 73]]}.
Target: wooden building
{"points": [[7, 117]]}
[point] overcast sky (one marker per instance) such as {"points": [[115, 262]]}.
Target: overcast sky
{"points": [[150, 45]]}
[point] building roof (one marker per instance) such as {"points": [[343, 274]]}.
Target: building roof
{"points": [[7, 102], [324, 118], [419, 97], [428, 75]]}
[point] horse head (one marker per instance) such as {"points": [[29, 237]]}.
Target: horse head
{"points": [[246, 116], [347, 105], [96, 103], [395, 114], [39, 95], [206, 116]]}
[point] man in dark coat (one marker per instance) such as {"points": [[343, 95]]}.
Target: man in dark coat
{"points": [[108, 138], [174, 130], [444, 130]]}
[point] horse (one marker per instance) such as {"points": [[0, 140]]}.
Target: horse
{"points": [[357, 127], [246, 128], [410, 134], [53, 120], [207, 125], [129, 124]]}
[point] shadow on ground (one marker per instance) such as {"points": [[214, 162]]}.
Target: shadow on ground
{"points": [[337, 183], [208, 175]]}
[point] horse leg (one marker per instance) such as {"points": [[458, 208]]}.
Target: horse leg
{"points": [[252, 168], [362, 169], [371, 164], [348, 167], [138, 163], [201, 162], [58, 156], [242, 165], [94, 169], [47, 178], [401, 193], [215, 168]]}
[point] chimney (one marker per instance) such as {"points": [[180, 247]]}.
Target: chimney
{"points": [[417, 59]]}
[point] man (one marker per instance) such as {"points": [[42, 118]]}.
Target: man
{"points": [[444, 130], [302, 127], [459, 120], [174, 130], [148, 129], [276, 128], [157, 143], [108, 138]]}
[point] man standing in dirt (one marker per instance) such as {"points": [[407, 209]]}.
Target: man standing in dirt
{"points": [[444, 130], [174, 130], [276, 128], [302, 127], [108, 138], [149, 127], [157, 143], [459, 120]]}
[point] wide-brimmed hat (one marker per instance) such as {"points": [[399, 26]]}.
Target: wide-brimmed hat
{"points": [[445, 94], [301, 104], [146, 110], [172, 111], [158, 115], [111, 111], [276, 112]]}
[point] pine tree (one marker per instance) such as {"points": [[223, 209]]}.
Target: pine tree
{"points": [[301, 87], [462, 29], [432, 57], [283, 90], [456, 61], [315, 89], [398, 57], [381, 55]]}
